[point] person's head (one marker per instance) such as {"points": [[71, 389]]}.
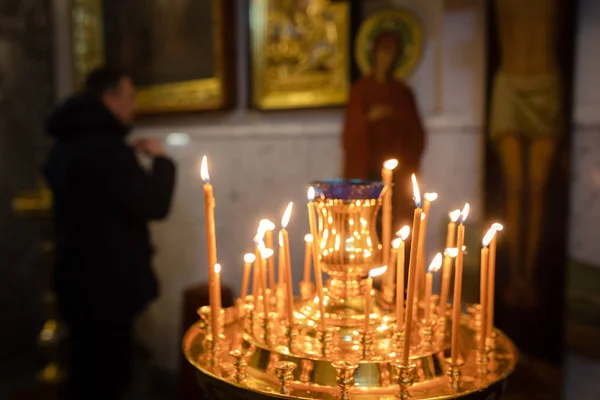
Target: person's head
{"points": [[386, 49], [115, 89]]}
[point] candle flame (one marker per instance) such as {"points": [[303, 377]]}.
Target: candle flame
{"points": [[396, 243], [404, 232], [266, 225], [431, 196], [436, 264], [375, 272], [390, 164], [280, 239], [249, 258], [454, 215], [204, 170], [338, 241], [311, 193], [285, 220], [416, 193], [423, 216], [451, 252], [308, 238], [265, 252], [498, 227], [260, 235], [488, 237], [217, 268], [464, 213]]}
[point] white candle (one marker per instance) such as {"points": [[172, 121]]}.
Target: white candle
{"points": [[248, 260], [449, 255], [215, 307], [316, 260], [387, 173], [399, 244], [209, 214], [308, 240], [433, 267], [412, 273], [289, 295], [458, 275], [492, 280], [265, 254], [375, 272], [268, 228], [484, 284]]}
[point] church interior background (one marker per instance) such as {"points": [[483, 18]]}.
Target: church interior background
{"points": [[264, 149]]}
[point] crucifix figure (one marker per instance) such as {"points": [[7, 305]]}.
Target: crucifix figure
{"points": [[527, 122]]}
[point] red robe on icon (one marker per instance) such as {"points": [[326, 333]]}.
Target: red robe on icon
{"points": [[367, 143]]}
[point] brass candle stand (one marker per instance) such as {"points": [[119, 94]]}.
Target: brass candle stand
{"points": [[340, 354]]}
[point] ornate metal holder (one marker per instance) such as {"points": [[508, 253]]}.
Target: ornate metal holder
{"points": [[344, 371], [303, 360], [348, 246]]}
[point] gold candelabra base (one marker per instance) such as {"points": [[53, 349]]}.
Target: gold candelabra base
{"points": [[248, 366]]}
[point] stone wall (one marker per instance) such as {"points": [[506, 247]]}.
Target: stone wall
{"points": [[26, 95]]}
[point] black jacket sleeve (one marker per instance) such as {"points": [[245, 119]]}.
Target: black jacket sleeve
{"points": [[144, 195]]}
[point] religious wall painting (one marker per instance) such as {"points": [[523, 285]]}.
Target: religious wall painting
{"points": [[406, 26], [528, 137], [382, 120], [179, 52], [299, 53]]}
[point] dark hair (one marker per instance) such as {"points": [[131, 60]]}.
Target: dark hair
{"points": [[103, 79]]}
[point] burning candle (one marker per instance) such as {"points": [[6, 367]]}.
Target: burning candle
{"points": [[420, 280], [451, 237], [265, 254], [387, 173], [449, 255], [281, 263], [269, 226], [289, 295], [248, 260], [400, 254], [484, 283], [429, 198], [209, 213], [433, 267], [492, 279], [412, 265], [316, 261], [375, 272], [256, 280], [457, 303], [308, 240], [215, 301]]}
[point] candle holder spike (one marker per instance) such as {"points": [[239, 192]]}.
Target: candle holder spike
{"points": [[284, 370], [240, 364], [405, 378], [454, 373], [427, 331], [344, 372], [308, 367]]}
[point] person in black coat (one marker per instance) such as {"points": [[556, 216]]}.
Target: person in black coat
{"points": [[103, 201]]}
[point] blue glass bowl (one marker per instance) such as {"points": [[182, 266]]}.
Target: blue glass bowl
{"points": [[348, 189]]}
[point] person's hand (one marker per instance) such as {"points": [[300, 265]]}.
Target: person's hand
{"points": [[378, 112], [150, 146]]}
